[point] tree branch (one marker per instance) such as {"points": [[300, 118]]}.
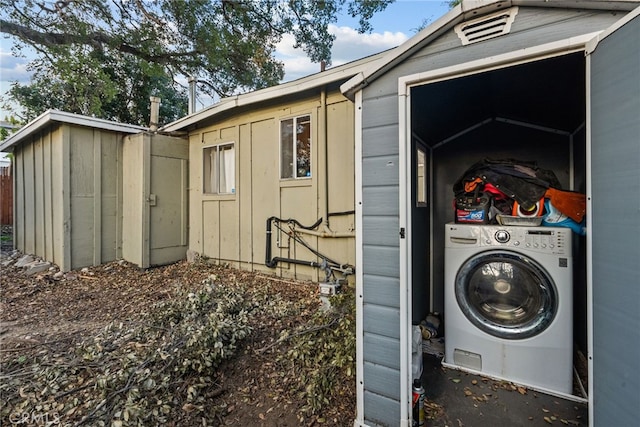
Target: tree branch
{"points": [[95, 39]]}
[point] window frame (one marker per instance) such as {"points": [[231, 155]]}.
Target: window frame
{"points": [[207, 171], [295, 120]]}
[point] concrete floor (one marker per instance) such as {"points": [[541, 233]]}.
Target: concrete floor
{"points": [[473, 401]]}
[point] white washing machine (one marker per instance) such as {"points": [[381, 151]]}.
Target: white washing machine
{"points": [[509, 304]]}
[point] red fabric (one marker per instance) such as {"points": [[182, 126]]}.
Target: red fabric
{"points": [[570, 203]]}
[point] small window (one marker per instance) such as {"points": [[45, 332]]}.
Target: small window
{"points": [[421, 178], [295, 148], [220, 169]]}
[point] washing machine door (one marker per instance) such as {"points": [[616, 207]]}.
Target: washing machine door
{"points": [[506, 294]]}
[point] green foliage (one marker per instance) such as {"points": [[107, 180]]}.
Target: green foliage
{"points": [[323, 352], [106, 58]]}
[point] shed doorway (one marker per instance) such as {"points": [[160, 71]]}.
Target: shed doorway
{"points": [[533, 110]]}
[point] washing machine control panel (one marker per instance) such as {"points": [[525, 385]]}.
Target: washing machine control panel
{"points": [[549, 240], [539, 239]]}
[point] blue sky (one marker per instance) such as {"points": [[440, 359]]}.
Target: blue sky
{"points": [[391, 27]]}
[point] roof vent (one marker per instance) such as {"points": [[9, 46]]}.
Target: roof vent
{"points": [[486, 27]]}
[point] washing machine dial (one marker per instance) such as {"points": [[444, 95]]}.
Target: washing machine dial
{"points": [[502, 236]]}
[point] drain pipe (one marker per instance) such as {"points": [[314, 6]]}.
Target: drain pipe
{"points": [[325, 143]]}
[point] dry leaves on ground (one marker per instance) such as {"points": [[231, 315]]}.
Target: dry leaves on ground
{"points": [[184, 344]]}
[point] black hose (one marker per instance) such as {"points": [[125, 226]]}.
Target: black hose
{"points": [[273, 262], [341, 213]]}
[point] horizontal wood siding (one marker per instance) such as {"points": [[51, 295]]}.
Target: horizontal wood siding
{"points": [[382, 320], [380, 410], [382, 291], [381, 259], [383, 380], [381, 230]]}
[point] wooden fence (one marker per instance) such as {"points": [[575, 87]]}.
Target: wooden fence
{"points": [[6, 196]]}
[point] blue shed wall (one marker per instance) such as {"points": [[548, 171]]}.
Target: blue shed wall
{"points": [[380, 188], [615, 175]]}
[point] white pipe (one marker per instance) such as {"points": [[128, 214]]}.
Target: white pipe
{"points": [[325, 145], [328, 233]]}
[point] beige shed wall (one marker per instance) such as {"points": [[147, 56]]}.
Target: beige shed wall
{"points": [[155, 199], [232, 228], [68, 206], [38, 223]]}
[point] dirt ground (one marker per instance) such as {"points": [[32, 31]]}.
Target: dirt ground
{"points": [[50, 314]]}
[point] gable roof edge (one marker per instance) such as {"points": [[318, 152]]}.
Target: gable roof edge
{"points": [[466, 9], [340, 72], [51, 116]]}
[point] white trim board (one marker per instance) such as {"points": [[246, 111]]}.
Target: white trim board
{"points": [[405, 84]]}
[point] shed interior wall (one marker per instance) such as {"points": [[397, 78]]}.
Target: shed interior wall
{"points": [[545, 104]]}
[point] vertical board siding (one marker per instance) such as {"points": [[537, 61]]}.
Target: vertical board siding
{"points": [[29, 199], [615, 170], [340, 117], [245, 199], [38, 196], [264, 174], [81, 149], [48, 198], [18, 200], [229, 231], [109, 196], [235, 230], [195, 193], [57, 196], [211, 228]]}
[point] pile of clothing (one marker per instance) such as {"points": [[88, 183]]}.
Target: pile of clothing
{"points": [[516, 188]]}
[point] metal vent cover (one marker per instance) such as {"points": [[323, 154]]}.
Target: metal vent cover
{"points": [[486, 27]]}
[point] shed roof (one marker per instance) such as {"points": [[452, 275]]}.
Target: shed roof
{"points": [[466, 10], [336, 74], [56, 116]]}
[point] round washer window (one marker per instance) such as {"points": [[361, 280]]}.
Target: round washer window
{"points": [[506, 294]]}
